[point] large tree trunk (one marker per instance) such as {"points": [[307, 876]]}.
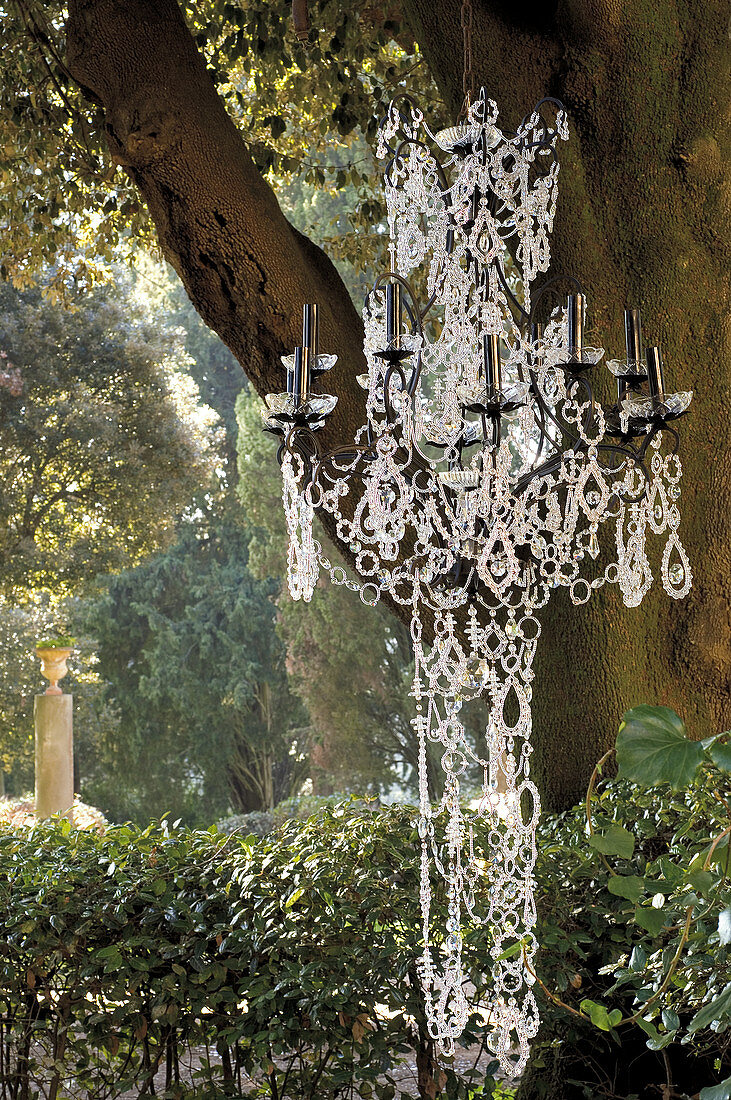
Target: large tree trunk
{"points": [[641, 220]]}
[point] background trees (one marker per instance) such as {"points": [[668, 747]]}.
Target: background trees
{"points": [[92, 395]]}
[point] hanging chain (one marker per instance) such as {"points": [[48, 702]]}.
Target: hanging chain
{"points": [[468, 78]]}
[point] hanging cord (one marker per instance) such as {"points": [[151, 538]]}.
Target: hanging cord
{"points": [[468, 77], [301, 19]]}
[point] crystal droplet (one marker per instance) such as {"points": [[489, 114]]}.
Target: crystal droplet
{"points": [[511, 628], [593, 498], [658, 513], [499, 568], [593, 546], [676, 574]]}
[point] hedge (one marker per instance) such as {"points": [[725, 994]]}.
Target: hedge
{"points": [[287, 963]]}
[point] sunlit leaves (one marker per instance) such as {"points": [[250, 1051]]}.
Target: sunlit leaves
{"points": [[307, 112], [104, 445]]}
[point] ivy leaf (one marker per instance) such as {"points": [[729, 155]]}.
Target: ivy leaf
{"points": [[721, 755], [724, 926], [630, 887], [652, 748], [616, 841], [717, 1092]]}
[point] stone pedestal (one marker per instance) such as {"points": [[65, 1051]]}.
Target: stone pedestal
{"points": [[54, 754]]}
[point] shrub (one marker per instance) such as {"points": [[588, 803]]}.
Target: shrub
{"points": [[289, 962], [613, 908], [298, 808]]}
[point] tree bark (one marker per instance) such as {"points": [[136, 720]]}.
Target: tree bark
{"points": [[642, 221], [245, 268]]}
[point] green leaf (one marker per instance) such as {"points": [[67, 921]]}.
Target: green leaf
{"points": [[716, 1009], [616, 841], [724, 925], [670, 1019], [510, 952], [599, 1016], [631, 887], [294, 897], [721, 755], [649, 1028], [717, 1092], [638, 958], [702, 881], [652, 920], [660, 1042], [652, 748]]}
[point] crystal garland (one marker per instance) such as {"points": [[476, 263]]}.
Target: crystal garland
{"points": [[475, 546]]}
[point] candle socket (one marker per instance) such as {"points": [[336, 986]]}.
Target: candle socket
{"points": [[655, 374], [393, 315], [633, 335], [301, 373], [575, 315], [491, 361], [311, 332], [622, 389]]}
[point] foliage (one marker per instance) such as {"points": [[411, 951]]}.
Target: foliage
{"points": [[305, 110], [186, 643], [298, 807], [290, 962], [103, 442], [63, 641], [216, 374], [635, 924]]}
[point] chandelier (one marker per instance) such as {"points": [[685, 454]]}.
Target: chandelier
{"points": [[477, 487]]}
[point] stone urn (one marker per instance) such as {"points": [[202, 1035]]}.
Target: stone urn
{"points": [[53, 665]]}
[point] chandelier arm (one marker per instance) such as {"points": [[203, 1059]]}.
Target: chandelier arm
{"points": [[402, 97], [524, 314], [563, 428], [661, 427], [538, 408], [548, 285], [581, 380]]}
